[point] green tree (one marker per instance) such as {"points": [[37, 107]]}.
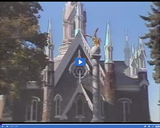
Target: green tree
{"points": [[154, 38], [21, 46]]}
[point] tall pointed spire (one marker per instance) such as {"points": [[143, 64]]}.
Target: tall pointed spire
{"points": [[49, 31], [108, 46], [127, 49], [50, 45], [108, 41], [48, 78], [109, 88]]}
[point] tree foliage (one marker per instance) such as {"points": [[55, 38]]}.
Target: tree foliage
{"points": [[153, 24], [21, 45]]}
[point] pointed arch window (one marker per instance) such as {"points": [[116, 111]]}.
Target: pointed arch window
{"points": [[58, 100], [79, 106], [32, 110], [124, 109]]}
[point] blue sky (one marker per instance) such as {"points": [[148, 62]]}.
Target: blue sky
{"points": [[122, 16]]}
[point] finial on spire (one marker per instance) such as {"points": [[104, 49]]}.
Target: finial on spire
{"points": [[108, 46]]}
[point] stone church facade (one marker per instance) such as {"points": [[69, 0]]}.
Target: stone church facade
{"points": [[123, 84]]}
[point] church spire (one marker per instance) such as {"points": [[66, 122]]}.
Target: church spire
{"points": [[108, 47], [74, 20], [48, 79], [108, 41], [109, 68], [50, 45], [127, 51]]}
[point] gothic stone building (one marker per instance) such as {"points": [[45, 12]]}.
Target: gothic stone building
{"points": [[123, 84]]}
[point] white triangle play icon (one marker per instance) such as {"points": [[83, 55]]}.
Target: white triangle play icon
{"points": [[80, 61]]}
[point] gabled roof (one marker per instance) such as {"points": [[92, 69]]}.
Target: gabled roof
{"points": [[78, 41], [79, 89]]}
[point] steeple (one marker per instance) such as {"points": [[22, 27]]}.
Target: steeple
{"points": [[74, 20], [109, 68], [48, 79], [127, 50], [50, 46], [108, 41], [108, 46]]}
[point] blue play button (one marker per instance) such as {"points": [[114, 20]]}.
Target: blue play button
{"points": [[80, 62]]}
